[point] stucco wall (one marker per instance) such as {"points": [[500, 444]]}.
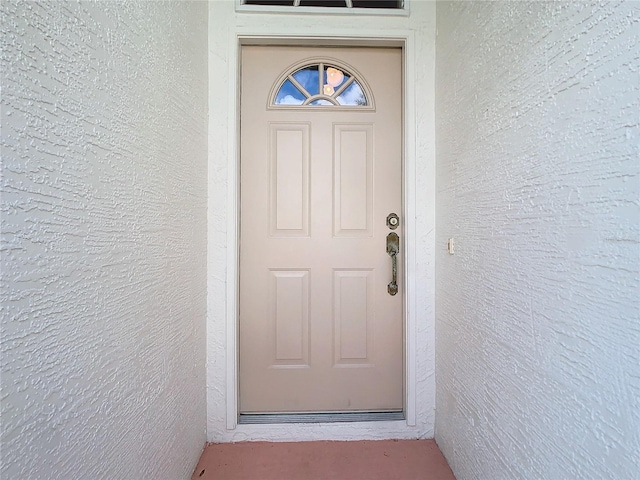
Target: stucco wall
{"points": [[538, 328], [104, 147]]}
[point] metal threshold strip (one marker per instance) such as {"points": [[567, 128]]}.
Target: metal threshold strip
{"points": [[266, 418]]}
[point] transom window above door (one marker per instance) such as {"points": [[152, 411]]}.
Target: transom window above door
{"points": [[380, 4], [321, 83]]}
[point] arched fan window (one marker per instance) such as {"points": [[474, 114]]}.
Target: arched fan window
{"points": [[321, 83]]}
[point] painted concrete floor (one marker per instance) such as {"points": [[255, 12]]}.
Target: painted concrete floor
{"points": [[363, 460]]}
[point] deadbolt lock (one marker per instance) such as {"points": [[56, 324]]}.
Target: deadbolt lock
{"points": [[393, 221]]}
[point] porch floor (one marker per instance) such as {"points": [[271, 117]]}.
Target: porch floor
{"points": [[361, 460]]}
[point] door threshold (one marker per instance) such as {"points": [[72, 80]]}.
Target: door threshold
{"points": [[266, 418]]}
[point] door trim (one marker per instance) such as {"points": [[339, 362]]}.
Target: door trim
{"points": [[374, 39]]}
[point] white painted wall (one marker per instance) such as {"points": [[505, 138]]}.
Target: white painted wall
{"points": [[226, 26], [538, 331], [104, 149]]}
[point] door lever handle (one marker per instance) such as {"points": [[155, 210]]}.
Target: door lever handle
{"points": [[393, 247]]}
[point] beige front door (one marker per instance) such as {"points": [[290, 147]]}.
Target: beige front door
{"points": [[321, 164]]}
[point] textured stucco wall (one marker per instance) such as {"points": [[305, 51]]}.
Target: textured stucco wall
{"points": [[104, 148], [538, 328], [225, 26]]}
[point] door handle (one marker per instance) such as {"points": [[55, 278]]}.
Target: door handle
{"points": [[393, 247]]}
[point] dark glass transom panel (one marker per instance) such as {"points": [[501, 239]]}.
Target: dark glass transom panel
{"points": [[390, 4]]}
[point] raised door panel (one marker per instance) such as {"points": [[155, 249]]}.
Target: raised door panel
{"points": [[289, 179], [353, 180], [353, 317], [289, 312]]}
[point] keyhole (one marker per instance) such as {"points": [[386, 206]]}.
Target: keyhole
{"points": [[393, 221]]}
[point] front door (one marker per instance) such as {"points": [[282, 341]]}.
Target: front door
{"points": [[321, 324]]}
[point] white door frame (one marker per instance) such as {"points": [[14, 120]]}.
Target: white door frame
{"points": [[408, 243], [223, 380]]}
